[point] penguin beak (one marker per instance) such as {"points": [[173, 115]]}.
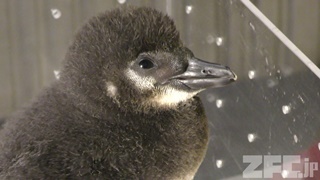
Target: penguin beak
{"points": [[201, 75]]}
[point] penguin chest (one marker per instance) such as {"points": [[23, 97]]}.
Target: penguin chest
{"points": [[178, 144]]}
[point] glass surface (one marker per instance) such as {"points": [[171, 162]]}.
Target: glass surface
{"points": [[272, 109]]}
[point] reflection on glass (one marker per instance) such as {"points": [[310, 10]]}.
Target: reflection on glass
{"points": [[56, 13]]}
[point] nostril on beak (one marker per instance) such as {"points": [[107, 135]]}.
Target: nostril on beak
{"points": [[206, 72]]}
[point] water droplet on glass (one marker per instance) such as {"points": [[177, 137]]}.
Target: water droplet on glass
{"points": [[219, 103], [56, 13], [301, 99], [210, 39], [251, 74], [284, 173], [267, 61], [286, 109], [295, 138], [252, 137], [188, 9], [252, 26], [219, 41], [219, 163], [121, 1], [56, 74]]}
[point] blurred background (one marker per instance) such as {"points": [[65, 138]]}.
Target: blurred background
{"points": [[35, 34], [272, 109]]}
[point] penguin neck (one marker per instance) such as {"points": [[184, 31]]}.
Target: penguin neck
{"points": [[148, 106], [100, 105], [79, 101]]}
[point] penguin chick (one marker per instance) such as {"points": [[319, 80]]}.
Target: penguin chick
{"points": [[123, 108]]}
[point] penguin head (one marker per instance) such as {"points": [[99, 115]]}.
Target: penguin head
{"points": [[135, 57], [168, 78]]}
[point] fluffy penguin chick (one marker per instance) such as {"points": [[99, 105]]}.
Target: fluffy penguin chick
{"points": [[123, 108]]}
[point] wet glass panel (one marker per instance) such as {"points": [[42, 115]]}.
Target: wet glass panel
{"points": [[273, 107]]}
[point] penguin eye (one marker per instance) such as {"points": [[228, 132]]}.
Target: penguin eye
{"points": [[146, 64]]}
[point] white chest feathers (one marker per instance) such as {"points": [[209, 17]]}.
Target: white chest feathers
{"points": [[170, 96]]}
